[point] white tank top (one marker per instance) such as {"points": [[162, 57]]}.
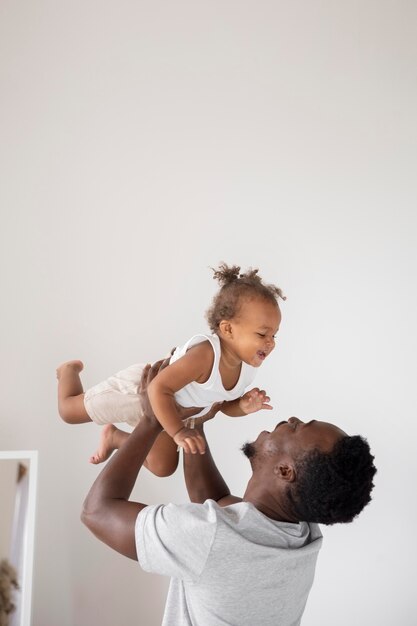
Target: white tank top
{"points": [[206, 394]]}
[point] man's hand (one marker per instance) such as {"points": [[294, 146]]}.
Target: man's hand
{"points": [[214, 409], [148, 374], [254, 400], [107, 510]]}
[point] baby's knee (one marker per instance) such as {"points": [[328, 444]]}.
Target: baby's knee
{"points": [[163, 467], [72, 410], [65, 413]]}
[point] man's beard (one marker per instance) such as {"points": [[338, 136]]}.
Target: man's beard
{"points": [[248, 450]]}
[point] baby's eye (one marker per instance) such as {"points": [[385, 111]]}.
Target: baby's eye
{"points": [[260, 335]]}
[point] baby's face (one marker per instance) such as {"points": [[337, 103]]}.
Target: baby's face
{"points": [[254, 330]]}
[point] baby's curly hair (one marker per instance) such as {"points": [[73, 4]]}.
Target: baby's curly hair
{"points": [[333, 487], [236, 287]]}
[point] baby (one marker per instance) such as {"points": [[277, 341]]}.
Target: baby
{"points": [[208, 369]]}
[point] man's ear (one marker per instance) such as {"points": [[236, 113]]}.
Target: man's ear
{"points": [[285, 471], [225, 328]]}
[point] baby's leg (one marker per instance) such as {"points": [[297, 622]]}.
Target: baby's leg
{"points": [[71, 393], [162, 459], [111, 439]]}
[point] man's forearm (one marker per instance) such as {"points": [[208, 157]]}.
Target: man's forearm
{"points": [[231, 408], [202, 478], [107, 512]]}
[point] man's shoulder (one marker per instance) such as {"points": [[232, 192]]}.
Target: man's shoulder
{"points": [[211, 517], [192, 514], [176, 539], [187, 510]]}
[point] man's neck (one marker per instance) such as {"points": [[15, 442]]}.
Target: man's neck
{"points": [[275, 506]]}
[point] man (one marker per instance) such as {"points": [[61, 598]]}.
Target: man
{"points": [[235, 561]]}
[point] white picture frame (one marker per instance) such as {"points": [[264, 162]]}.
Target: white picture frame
{"points": [[25, 526]]}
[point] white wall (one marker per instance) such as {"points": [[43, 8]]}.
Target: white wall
{"points": [[143, 142]]}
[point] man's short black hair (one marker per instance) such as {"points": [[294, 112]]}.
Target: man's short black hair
{"points": [[335, 486]]}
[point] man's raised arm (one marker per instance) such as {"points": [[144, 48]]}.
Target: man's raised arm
{"points": [[107, 511], [203, 479]]}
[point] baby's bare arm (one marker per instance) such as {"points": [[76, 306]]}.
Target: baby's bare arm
{"points": [[252, 401], [190, 440], [195, 365]]}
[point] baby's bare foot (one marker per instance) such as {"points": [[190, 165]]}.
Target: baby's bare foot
{"points": [[76, 366], [106, 445]]}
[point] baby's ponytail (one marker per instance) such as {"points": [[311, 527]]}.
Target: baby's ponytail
{"points": [[234, 288], [226, 274]]}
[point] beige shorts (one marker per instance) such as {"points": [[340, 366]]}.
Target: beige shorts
{"points": [[116, 399]]}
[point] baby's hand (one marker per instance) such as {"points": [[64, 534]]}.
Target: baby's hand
{"points": [[254, 400], [190, 440]]}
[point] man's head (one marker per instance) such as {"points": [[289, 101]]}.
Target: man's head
{"points": [[314, 470]]}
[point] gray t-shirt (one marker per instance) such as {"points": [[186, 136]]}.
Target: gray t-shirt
{"points": [[230, 566]]}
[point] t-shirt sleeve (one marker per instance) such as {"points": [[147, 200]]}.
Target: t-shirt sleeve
{"points": [[175, 540]]}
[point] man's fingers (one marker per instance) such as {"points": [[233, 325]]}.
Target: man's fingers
{"points": [[163, 364], [150, 371], [154, 369], [215, 408], [144, 377], [189, 411]]}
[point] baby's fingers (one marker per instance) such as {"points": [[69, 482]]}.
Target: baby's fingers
{"points": [[196, 445], [184, 445]]}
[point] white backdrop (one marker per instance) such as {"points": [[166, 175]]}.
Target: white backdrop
{"points": [[142, 142]]}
